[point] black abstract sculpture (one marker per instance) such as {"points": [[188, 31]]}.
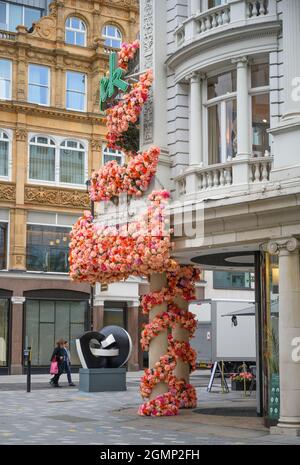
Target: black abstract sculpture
{"points": [[109, 348]]}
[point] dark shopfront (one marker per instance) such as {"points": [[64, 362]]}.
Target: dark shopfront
{"points": [[38, 310]]}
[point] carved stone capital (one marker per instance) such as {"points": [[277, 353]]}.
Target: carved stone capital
{"points": [[240, 61], [21, 134], [195, 77], [96, 144], [289, 244]]}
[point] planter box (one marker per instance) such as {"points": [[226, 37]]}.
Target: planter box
{"points": [[239, 386], [102, 379]]}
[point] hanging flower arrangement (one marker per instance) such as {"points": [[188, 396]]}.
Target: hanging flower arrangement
{"points": [[127, 53], [134, 178]]}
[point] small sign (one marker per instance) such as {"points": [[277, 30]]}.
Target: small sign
{"points": [[18, 300], [104, 287]]}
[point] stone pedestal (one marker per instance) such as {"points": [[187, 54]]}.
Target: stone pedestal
{"points": [[102, 379]]}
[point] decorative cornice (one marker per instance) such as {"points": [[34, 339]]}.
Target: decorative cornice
{"points": [[38, 195], [289, 244], [29, 108], [7, 191]]}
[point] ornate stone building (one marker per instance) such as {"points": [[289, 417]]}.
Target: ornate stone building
{"points": [[52, 136]]}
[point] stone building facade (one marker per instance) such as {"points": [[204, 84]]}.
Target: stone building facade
{"points": [[226, 111], [52, 135]]}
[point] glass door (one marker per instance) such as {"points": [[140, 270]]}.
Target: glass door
{"points": [[4, 306]]}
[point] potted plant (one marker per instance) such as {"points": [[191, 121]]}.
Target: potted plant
{"points": [[241, 380]]}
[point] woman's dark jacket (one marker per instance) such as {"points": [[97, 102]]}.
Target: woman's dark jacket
{"points": [[57, 353]]}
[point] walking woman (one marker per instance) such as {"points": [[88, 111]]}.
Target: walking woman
{"points": [[58, 357]]}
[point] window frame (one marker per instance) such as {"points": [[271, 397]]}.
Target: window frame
{"points": [[57, 143], [40, 85], [108, 37], [9, 134], [70, 28], [222, 101], [7, 5], [75, 91], [5, 80], [106, 152], [7, 221]]}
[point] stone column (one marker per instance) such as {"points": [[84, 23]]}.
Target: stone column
{"points": [[291, 41], [158, 345], [182, 369], [194, 6], [243, 110], [289, 334], [196, 155], [134, 331], [16, 338]]}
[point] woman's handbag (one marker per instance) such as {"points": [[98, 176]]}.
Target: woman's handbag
{"points": [[54, 368]]}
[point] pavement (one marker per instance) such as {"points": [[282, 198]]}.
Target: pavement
{"points": [[68, 416]]}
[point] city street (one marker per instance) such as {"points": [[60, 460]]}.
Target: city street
{"points": [[67, 416]]}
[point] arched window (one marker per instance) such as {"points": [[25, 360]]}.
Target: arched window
{"points": [[72, 162], [42, 158], [4, 153], [75, 31], [112, 36]]}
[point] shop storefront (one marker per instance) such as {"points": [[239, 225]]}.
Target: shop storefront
{"points": [[48, 319]]}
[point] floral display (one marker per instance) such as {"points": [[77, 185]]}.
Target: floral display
{"points": [[134, 179], [240, 377], [127, 111], [127, 53], [181, 281], [107, 253]]}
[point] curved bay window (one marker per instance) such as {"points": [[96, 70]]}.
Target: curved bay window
{"points": [[260, 101], [222, 117]]}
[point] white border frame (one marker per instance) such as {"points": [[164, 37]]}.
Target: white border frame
{"points": [[48, 87], [69, 28], [85, 90], [11, 78], [9, 132]]}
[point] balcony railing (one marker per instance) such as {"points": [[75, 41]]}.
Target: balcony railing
{"points": [[230, 175], [230, 15], [8, 35]]}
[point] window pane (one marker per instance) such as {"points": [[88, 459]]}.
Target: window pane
{"points": [[114, 317], [3, 15], [70, 37], [75, 101], [231, 129], [31, 15], [4, 146], [47, 312], [32, 329], [214, 134], [62, 320], [42, 163], [5, 69], [231, 280], [78, 312], [72, 166], [116, 43], [3, 331], [46, 336], [80, 36], [76, 81], [260, 124], [15, 16], [213, 3], [260, 75], [47, 248], [38, 95], [3, 245], [222, 84], [75, 23], [38, 75]]}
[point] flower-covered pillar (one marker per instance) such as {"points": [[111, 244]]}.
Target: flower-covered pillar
{"points": [[159, 345], [181, 334]]}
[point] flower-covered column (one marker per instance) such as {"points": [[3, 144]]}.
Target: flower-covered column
{"points": [[158, 345], [182, 370]]}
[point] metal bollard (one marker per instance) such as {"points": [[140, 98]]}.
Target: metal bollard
{"points": [[27, 356]]}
